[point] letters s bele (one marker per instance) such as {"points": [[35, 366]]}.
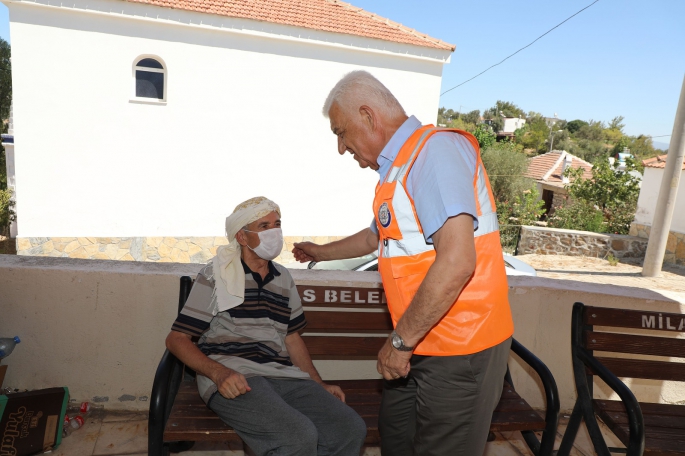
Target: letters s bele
{"points": [[340, 295]]}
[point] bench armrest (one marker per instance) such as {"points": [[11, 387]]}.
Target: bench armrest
{"points": [[548, 382], [164, 389], [636, 441], [546, 445]]}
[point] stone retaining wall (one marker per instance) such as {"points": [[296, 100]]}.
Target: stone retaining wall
{"points": [[155, 249], [551, 241], [675, 245]]}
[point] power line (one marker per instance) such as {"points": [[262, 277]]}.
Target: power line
{"points": [[660, 136], [529, 44]]}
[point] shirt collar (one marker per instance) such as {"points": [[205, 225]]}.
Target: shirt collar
{"points": [[273, 272], [392, 148], [272, 268]]}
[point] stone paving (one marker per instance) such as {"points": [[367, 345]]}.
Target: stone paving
{"points": [[598, 270], [125, 433]]}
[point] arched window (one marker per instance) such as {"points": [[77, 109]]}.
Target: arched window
{"points": [[150, 79]]}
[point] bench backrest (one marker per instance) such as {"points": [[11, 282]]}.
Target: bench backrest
{"points": [[598, 329], [343, 323]]}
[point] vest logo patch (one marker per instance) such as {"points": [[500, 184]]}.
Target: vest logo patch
{"points": [[384, 215]]}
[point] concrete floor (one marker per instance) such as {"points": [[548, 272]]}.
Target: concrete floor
{"points": [[125, 433]]}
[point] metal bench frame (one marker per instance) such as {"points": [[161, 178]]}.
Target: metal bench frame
{"points": [[170, 373]]}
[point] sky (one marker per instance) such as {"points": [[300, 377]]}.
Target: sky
{"points": [[618, 57]]}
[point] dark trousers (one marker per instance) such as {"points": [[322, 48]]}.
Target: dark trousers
{"points": [[444, 406], [292, 417]]}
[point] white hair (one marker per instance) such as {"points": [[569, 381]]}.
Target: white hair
{"points": [[359, 88]]}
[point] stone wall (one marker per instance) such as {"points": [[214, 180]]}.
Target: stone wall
{"points": [[675, 246], [155, 249], [551, 241]]}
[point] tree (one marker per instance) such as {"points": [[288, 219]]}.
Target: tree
{"points": [[6, 205], [575, 125], [621, 144], [5, 81], [485, 136], [534, 134], [642, 148], [472, 117], [612, 193], [594, 131], [502, 108], [506, 165], [507, 108], [617, 124], [7, 214]]}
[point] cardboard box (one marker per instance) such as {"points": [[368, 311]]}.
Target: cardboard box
{"points": [[31, 422]]}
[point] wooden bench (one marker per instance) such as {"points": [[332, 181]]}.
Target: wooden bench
{"points": [[644, 428], [354, 327]]}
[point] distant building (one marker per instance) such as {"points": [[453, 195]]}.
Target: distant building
{"points": [[510, 125], [548, 172], [646, 206]]}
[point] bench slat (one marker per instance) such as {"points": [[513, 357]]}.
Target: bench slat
{"points": [[191, 420], [654, 370], [631, 343], [646, 407], [339, 347], [637, 319], [527, 420], [358, 322]]}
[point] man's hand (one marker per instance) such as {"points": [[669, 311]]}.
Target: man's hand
{"points": [[231, 384], [306, 251], [335, 390], [393, 364]]}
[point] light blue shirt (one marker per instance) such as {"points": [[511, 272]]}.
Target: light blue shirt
{"points": [[441, 180]]}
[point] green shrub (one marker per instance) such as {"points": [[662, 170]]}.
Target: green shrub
{"points": [[579, 215], [7, 213]]}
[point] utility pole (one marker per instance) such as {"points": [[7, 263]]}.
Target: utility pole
{"points": [[661, 225]]}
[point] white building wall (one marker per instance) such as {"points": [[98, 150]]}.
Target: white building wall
{"points": [[649, 193], [243, 118], [512, 124]]}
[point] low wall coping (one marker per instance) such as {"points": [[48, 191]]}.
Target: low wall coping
{"points": [[579, 233], [368, 279]]}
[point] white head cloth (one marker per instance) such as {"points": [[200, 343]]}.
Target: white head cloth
{"points": [[229, 276]]}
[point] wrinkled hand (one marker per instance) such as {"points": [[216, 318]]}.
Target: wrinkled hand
{"points": [[305, 252], [231, 384], [393, 364], [335, 390]]}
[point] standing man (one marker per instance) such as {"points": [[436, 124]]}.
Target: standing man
{"points": [[443, 272]]}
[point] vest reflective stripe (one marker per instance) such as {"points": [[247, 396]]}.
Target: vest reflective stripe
{"points": [[487, 223], [480, 318]]}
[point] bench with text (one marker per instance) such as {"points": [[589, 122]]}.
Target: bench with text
{"points": [[644, 428], [344, 323]]}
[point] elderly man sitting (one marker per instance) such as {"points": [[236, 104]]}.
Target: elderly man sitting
{"points": [[254, 370]]}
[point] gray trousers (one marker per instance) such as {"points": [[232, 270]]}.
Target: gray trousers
{"points": [[445, 405], [292, 417]]}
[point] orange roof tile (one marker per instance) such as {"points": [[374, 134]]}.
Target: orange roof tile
{"points": [[540, 166], [327, 15], [657, 162]]}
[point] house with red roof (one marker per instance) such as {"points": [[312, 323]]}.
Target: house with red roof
{"points": [[646, 207], [138, 125], [547, 170]]}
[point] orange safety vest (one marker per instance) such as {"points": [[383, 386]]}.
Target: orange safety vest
{"points": [[480, 318]]}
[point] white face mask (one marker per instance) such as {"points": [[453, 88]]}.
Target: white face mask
{"points": [[270, 243]]}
